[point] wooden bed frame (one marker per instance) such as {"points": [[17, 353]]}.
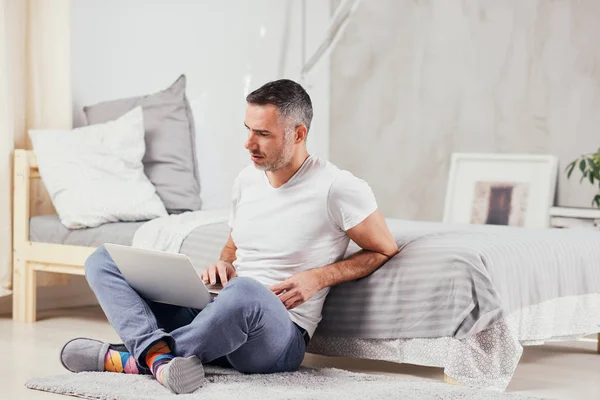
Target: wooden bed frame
{"points": [[29, 258], [32, 257]]}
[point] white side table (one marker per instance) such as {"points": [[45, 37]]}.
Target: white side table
{"points": [[566, 217]]}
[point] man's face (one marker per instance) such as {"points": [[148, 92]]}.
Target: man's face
{"points": [[269, 146]]}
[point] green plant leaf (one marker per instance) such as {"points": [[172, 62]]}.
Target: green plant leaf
{"points": [[592, 169], [585, 174], [570, 169], [591, 164], [596, 200], [582, 165], [569, 165], [596, 172], [595, 161]]}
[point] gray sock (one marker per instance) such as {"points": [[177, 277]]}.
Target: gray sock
{"points": [[83, 354], [183, 375]]}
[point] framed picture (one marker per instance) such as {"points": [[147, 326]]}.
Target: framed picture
{"points": [[501, 189]]}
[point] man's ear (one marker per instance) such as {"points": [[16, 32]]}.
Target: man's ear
{"points": [[300, 134]]}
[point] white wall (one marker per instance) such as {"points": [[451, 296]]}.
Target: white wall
{"points": [[413, 82], [226, 49]]}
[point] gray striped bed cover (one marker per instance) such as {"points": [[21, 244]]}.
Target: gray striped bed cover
{"points": [[446, 299], [447, 280]]}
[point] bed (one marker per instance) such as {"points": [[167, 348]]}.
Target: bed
{"points": [[464, 298]]}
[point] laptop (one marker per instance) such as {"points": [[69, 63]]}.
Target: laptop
{"points": [[162, 277]]}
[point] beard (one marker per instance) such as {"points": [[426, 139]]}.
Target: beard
{"points": [[283, 159]]}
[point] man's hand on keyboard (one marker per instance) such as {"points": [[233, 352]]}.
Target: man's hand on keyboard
{"points": [[219, 272]]}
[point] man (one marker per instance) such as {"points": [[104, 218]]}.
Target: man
{"points": [[292, 217]]}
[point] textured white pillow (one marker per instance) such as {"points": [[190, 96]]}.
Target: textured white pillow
{"points": [[94, 174]]}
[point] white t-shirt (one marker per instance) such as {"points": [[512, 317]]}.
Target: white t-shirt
{"points": [[301, 225]]}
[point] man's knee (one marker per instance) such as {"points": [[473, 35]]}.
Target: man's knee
{"points": [[245, 285], [97, 263], [248, 291]]}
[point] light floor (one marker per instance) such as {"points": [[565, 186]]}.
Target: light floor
{"points": [[564, 371]]}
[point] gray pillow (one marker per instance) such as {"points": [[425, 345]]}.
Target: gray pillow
{"points": [[170, 158]]}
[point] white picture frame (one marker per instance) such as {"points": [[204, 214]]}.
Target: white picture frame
{"points": [[501, 189]]}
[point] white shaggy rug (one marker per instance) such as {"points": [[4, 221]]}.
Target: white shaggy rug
{"points": [[307, 383]]}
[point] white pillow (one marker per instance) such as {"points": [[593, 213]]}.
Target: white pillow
{"points": [[94, 174]]}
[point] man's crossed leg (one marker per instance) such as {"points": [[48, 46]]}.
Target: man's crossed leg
{"points": [[247, 327]]}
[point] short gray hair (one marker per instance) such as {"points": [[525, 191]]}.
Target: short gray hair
{"points": [[289, 97]]}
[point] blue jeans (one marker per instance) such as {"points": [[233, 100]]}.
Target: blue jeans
{"points": [[246, 327]]}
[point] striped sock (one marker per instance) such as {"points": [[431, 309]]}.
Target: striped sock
{"points": [[120, 361], [157, 357]]}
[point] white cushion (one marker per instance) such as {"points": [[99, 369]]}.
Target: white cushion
{"points": [[94, 174]]}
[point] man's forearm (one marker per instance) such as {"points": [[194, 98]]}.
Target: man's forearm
{"points": [[358, 265], [228, 254]]}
